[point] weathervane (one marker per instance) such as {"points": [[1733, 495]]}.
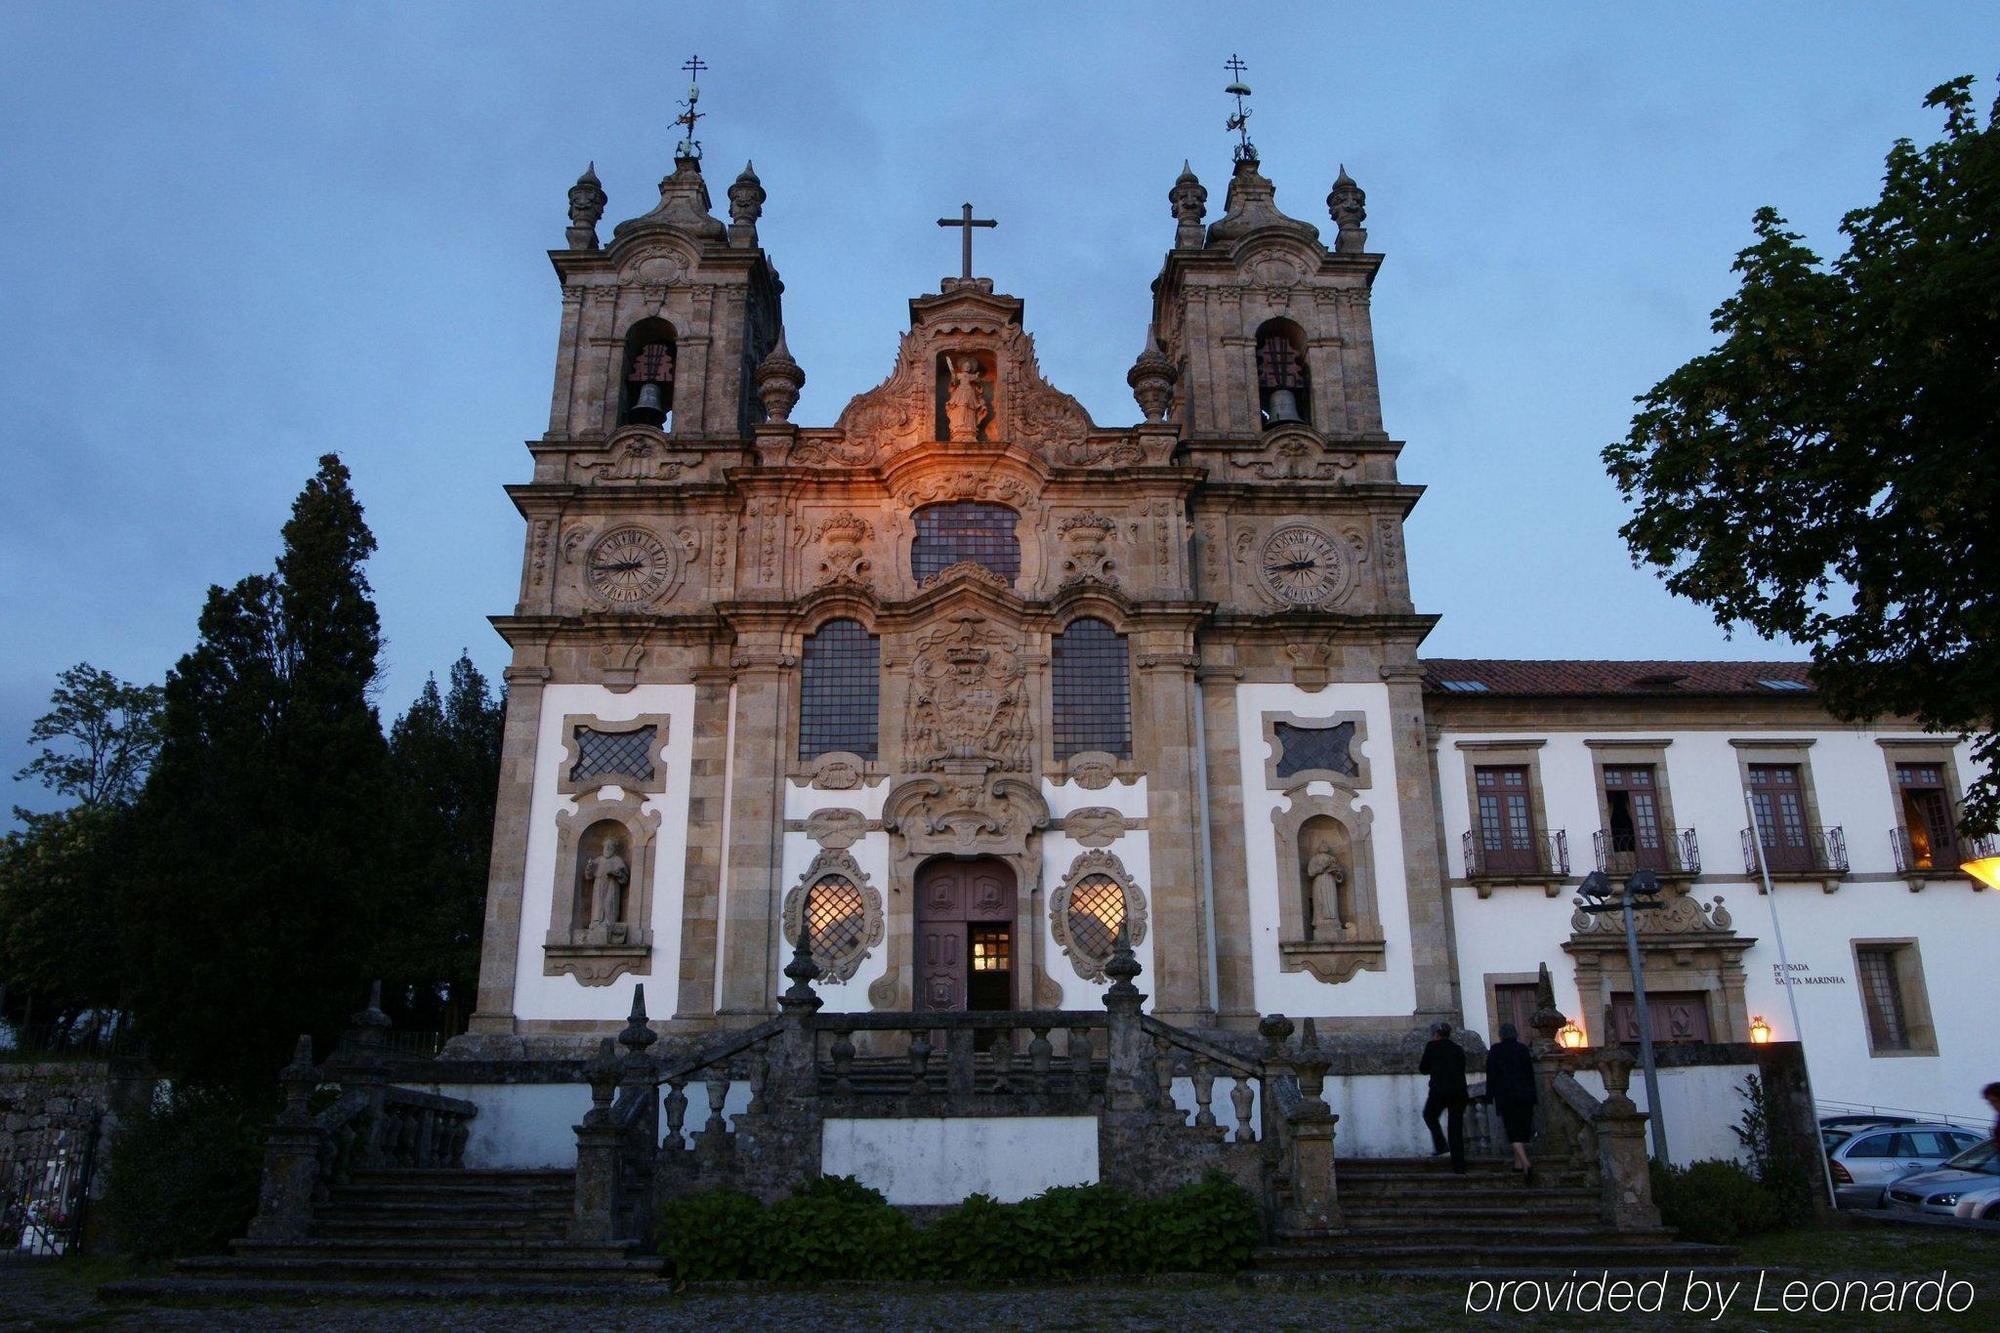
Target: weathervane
{"points": [[690, 146], [1240, 122]]}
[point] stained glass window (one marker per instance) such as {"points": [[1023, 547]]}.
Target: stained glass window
{"points": [[1092, 685], [604, 754], [840, 690], [965, 530]]}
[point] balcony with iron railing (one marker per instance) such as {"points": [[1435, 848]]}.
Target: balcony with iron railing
{"points": [[1668, 852], [1939, 851], [1800, 852], [1544, 861]]}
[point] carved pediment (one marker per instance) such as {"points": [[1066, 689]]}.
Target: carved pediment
{"points": [[964, 814], [1680, 914], [1016, 405]]}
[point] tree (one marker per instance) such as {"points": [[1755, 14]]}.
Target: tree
{"points": [[56, 899], [254, 895], [444, 776], [1830, 472], [98, 737]]}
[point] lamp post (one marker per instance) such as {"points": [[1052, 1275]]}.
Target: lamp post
{"points": [[1642, 885]]}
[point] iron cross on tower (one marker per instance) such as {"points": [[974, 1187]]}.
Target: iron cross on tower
{"points": [[966, 222], [690, 146]]}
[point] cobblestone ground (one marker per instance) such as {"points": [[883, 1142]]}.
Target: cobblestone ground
{"points": [[39, 1296]]}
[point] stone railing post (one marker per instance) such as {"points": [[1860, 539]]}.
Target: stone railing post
{"points": [[1625, 1181], [597, 1143], [1314, 1193], [1126, 1047], [1547, 1021], [360, 1066], [290, 1185]]}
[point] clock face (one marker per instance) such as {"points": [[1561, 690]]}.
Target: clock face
{"points": [[1302, 566], [628, 567]]}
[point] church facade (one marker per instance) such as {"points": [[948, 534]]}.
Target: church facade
{"points": [[961, 685]]}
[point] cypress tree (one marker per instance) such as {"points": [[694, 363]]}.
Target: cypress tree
{"points": [[255, 894], [444, 772]]}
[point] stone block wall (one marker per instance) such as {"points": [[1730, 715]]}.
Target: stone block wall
{"points": [[42, 1099]]}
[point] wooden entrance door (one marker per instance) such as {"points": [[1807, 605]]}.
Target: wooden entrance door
{"points": [[965, 935]]}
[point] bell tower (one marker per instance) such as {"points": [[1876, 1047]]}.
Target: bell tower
{"points": [[1263, 324], [664, 326]]}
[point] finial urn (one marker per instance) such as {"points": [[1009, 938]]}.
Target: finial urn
{"points": [[1347, 204], [1152, 380], [586, 206], [779, 380]]}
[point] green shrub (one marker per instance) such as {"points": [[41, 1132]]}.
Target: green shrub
{"points": [[835, 1227], [1211, 1226], [981, 1240], [182, 1175], [713, 1236], [1786, 1162], [1714, 1201], [1075, 1229]]}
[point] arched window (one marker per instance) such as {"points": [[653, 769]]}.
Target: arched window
{"points": [[1284, 385], [836, 921], [647, 381], [965, 530], [1092, 689], [840, 688]]}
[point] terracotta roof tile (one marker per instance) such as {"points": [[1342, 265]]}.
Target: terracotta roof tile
{"points": [[1461, 677]]}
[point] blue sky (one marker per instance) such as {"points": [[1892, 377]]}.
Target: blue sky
{"points": [[236, 236]]}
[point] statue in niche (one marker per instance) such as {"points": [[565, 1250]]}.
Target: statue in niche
{"points": [[607, 875], [966, 410], [1328, 914]]}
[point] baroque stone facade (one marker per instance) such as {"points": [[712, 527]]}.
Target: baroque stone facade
{"points": [[1067, 623]]}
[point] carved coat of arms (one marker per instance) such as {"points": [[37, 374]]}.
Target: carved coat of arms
{"points": [[968, 699]]}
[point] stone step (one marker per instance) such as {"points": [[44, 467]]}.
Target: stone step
{"points": [[1524, 1231], [443, 1229], [418, 1246], [1337, 1253], [359, 1207], [545, 1264], [1537, 1211], [1418, 1195], [456, 1196]]}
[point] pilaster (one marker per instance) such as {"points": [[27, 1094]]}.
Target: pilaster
{"points": [[499, 955]]}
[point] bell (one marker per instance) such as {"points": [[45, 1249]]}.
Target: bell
{"points": [[1284, 406], [649, 407]]}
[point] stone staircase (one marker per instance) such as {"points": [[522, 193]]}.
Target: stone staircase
{"points": [[407, 1229], [1412, 1214]]}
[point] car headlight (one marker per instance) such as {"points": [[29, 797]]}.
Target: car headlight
{"points": [[1944, 1200]]}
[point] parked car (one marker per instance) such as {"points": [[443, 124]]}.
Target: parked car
{"points": [[1966, 1186], [1835, 1130], [1865, 1165]]}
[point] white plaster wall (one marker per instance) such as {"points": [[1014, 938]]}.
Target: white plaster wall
{"points": [[941, 1161], [1392, 991], [1517, 928], [543, 997], [1703, 1105], [1059, 852], [520, 1125], [871, 853]]}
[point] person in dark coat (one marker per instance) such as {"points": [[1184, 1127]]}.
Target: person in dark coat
{"points": [[1444, 1061], [1510, 1084]]}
